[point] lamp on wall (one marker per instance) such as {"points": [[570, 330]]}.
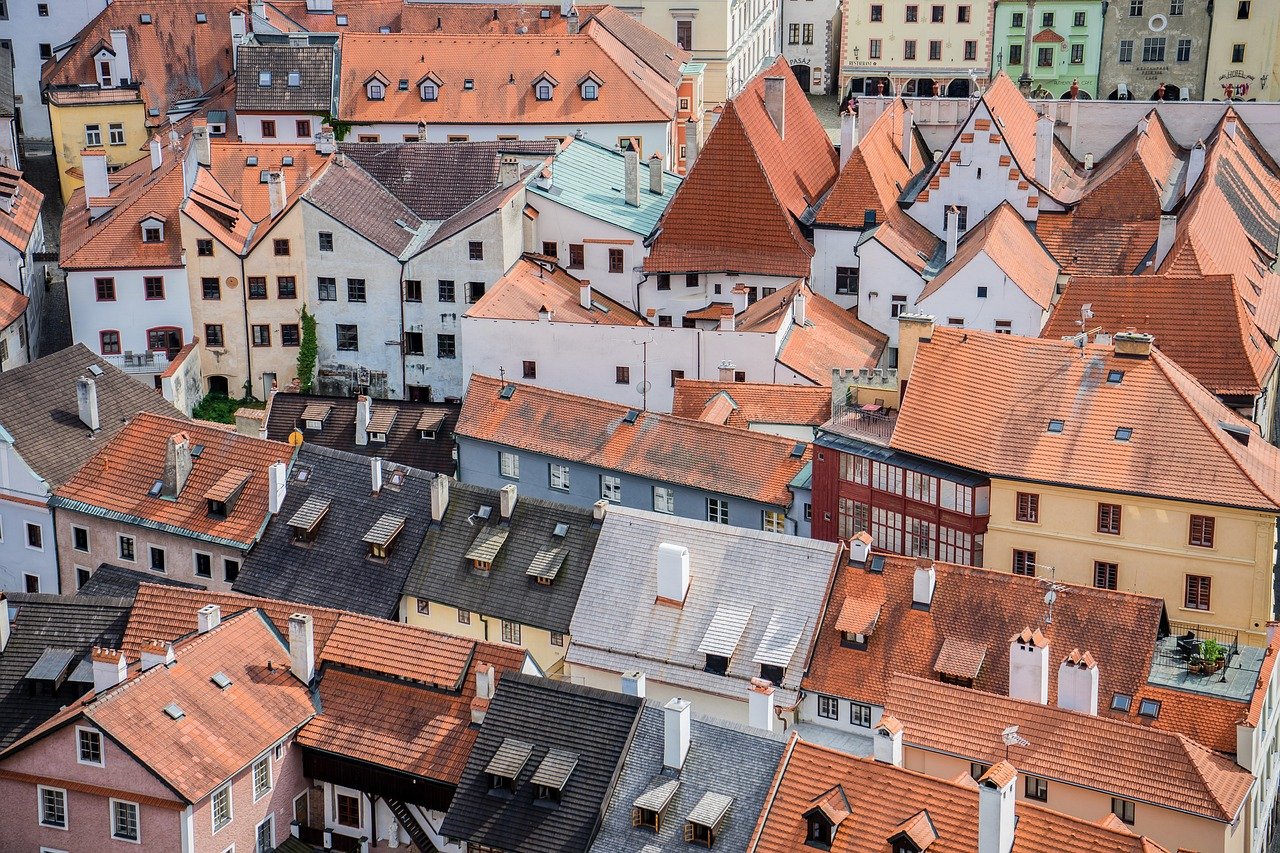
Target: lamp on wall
{"points": [[855, 54]]}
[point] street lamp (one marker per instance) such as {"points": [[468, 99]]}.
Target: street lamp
{"points": [[855, 54]]}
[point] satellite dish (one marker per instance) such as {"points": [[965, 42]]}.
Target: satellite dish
{"points": [[296, 438], [1051, 596], [643, 386]]}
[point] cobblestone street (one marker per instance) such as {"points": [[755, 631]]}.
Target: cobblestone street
{"points": [[40, 169]]}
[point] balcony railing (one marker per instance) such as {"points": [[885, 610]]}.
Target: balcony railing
{"points": [[872, 423], [140, 362]]}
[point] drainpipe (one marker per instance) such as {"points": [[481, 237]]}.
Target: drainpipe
{"points": [[485, 620], [248, 338], [404, 370]]}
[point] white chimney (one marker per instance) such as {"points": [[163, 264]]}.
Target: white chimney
{"points": [[439, 497], [5, 627], [87, 401], [156, 653], [507, 501], [584, 294], [726, 371], [546, 179], [364, 411], [848, 135], [727, 321], [886, 741], [1164, 239], [655, 174], [120, 44], [631, 177], [1078, 683], [109, 668], [922, 586], [598, 510], [675, 733], [277, 191], [258, 8], [508, 170], [319, 5], [996, 809], [775, 103], [1044, 151], [953, 231], [157, 152], [200, 143], [1229, 125], [673, 572], [760, 704], [740, 295], [93, 162], [375, 475], [690, 144], [799, 307], [177, 465], [1029, 667], [326, 141], [633, 683], [302, 646], [860, 548], [277, 484], [1088, 162], [1195, 166], [484, 681], [908, 129], [238, 27], [208, 618]]}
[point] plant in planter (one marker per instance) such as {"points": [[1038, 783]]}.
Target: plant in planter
{"points": [[1195, 665], [1214, 654]]}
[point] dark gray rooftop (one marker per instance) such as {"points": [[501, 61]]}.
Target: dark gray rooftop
{"points": [[312, 86], [725, 759], [110, 581], [557, 718], [443, 573], [335, 569], [353, 197], [6, 82]]}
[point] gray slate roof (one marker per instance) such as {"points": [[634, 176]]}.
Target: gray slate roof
{"points": [[110, 581], [781, 580], [442, 573], [351, 195], [38, 408], [723, 758], [335, 570], [596, 725], [43, 622], [314, 65], [6, 82]]}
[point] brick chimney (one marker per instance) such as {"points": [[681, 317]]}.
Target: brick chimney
{"points": [[775, 103], [1133, 344], [156, 653], [177, 465], [886, 743], [1078, 683], [208, 618], [584, 294], [109, 668], [1029, 667], [655, 174], [848, 134]]}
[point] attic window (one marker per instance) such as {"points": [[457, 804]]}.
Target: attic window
{"points": [[505, 766], [403, 86], [375, 90], [202, 18], [306, 521], [1121, 702], [545, 13], [295, 79], [1124, 433], [264, 79], [429, 91], [647, 809], [264, 176], [342, 20], [717, 664], [383, 535], [798, 450], [251, 160], [542, 89], [397, 478], [1056, 426], [1115, 376], [315, 414], [152, 231], [468, 84], [553, 774], [704, 821], [144, 18], [507, 392], [286, 160], [1149, 708], [590, 90], [220, 679], [174, 710]]}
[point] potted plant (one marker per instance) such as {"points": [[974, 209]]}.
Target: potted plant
{"points": [[1195, 665], [1214, 655]]}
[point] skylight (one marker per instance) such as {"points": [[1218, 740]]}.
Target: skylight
{"points": [[295, 78], [220, 679], [1149, 708], [174, 710], [1121, 702], [1115, 376], [561, 530], [507, 392], [1056, 426], [201, 18], [342, 20], [1124, 433], [144, 18], [264, 78]]}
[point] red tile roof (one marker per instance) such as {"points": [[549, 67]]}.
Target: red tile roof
{"points": [[18, 223], [1016, 120], [761, 183], [753, 402], [118, 478], [752, 465], [12, 304], [529, 288], [1179, 448]]}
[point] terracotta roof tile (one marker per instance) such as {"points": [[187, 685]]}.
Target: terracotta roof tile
{"points": [[530, 287], [17, 223], [960, 658], [1017, 120], [753, 402], [1005, 238], [12, 304]]}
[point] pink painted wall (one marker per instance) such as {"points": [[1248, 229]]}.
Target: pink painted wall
{"points": [[287, 783]]}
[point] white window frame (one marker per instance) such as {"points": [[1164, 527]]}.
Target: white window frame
{"points": [[773, 521], [93, 138], [213, 810], [509, 464], [115, 133], [718, 508], [102, 756], [74, 528], [164, 559], [111, 817], [66, 810], [664, 500], [559, 476], [26, 529], [611, 488], [195, 562], [263, 761], [258, 848]]}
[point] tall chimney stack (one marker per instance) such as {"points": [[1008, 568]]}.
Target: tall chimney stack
{"points": [[675, 733], [996, 809], [177, 465], [631, 184], [848, 134], [302, 646], [364, 411], [690, 143], [87, 402], [953, 231], [1044, 151], [507, 501], [439, 497], [655, 174], [775, 103], [109, 668]]}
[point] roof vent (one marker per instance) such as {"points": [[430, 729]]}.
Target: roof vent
{"points": [[220, 679], [95, 370], [630, 416], [561, 530], [384, 30], [156, 488], [403, 85], [174, 710], [1236, 431]]}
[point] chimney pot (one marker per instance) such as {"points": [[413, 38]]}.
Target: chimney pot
{"points": [[633, 683], [302, 646], [886, 741], [87, 401], [1078, 683], [760, 704], [208, 618], [277, 486], [507, 501], [727, 320], [673, 572], [631, 168], [439, 497], [109, 668], [1029, 667], [775, 103], [364, 411], [675, 733], [598, 509]]}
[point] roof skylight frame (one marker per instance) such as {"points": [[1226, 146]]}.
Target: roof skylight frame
{"points": [[1056, 426]]}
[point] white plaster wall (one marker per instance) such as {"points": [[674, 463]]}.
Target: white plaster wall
{"points": [[249, 127], [712, 287], [22, 497], [1004, 301], [132, 314], [563, 225], [834, 248], [883, 277]]}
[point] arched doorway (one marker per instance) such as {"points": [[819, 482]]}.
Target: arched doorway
{"points": [[1171, 93], [867, 87], [802, 73], [219, 385], [960, 88], [921, 87]]}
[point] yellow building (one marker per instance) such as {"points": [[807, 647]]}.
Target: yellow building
{"points": [[114, 120], [1243, 54], [735, 38], [502, 570]]}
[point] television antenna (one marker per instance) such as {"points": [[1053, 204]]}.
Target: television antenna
{"points": [[1011, 737]]}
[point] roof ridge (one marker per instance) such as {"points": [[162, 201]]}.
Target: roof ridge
{"points": [[589, 30], [1196, 753]]}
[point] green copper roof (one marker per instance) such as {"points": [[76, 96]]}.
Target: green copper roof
{"points": [[588, 178]]}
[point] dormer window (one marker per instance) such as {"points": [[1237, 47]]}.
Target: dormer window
{"points": [[589, 86], [552, 775], [544, 87], [772, 673], [703, 823], [305, 523], [824, 818], [264, 79], [382, 536], [504, 768], [222, 495], [818, 830], [152, 230], [544, 91], [648, 808], [717, 664], [104, 63], [218, 509], [429, 88], [376, 87]]}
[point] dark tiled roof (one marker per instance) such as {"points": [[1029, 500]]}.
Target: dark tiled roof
{"points": [[118, 582], [723, 758], [438, 179], [404, 445], [335, 570], [50, 621], [6, 82], [351, 195], [596, 725], [38, 408], [442, 574], [313, 64]]}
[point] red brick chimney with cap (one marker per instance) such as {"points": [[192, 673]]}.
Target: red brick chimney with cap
{"points": [[727, 321]]}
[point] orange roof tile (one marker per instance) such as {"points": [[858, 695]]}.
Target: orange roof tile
{"points": [[1024, 383], [808, 772], [752, 465], [12, 304], [1011, 245], [1128, 760], [1096, 246], [119, 477], [18, 223], [1017, 119], [529, 288], [858, 615], [754, 402]]}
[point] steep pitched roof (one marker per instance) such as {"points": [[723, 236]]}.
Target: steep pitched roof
{"points": [[18, 222], [12, 304], [38, 409], [1135, 762], [1179, 448], [355, 198], [118, 582], [658, 447], [752, 403], [1016, 120], [530, 287], [764, 187]]}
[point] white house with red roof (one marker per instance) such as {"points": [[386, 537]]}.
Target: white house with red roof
{"points": [[21, 277]]}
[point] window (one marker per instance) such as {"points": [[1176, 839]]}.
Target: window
{"points": [[429, 91], [82, 577], [1028, 507], [375, 90], [475, 291], [347, 809], [897, 305], [542, 91], [1077, 54], [268, 129], [204, 565], [615, 260], [348, 337], [664, 281], [577, 257], [691, 279], [509, 465], [302, 127], [204, 248], [115, 134], [970, 50], [328, 288], [511, 632], [664, 499], [289, 335], [280, 248], [80, 539], [977, 770], [1184, 50], [445, 291], [230, 570], [1153, 49], [89, 746], [877, 12], [1024, 563], [1126, 50], [909, 49], [221, 807], [1015, 54], [1046, 20], [413, 343], [35, 537], [326, 241], [286, 287], [53, 806], [1044, 57], [1242, 10], [773, 521], [446, 346], [962, 14], [412, 290], [684, 34], [31, 583], [808, 34], [530, 369], [937, 14], [1198, 589], [1018, 21], [1202, 531], [108, 342], [1078, 20], [265, 835], [261, 335], [828, 707], [611, 487], [718, 510], [93, 135], [124, 820], [1036, 788], [860, 715], [1123, 809], [355, 290], [157, 558], [1149, 708], [847, 280], [1175, 7], [464, 617], [874, 48], [622, 375], [1237, 53], [913, 14], [1121, 702], [1109, 519], [1135, 8], [42, 10], [257, 287], [559, 476], [105, 288], [1105, 575], [211, 288], [793, 34], [125, 548], [935, 50], [261, 777], [475, 250]]}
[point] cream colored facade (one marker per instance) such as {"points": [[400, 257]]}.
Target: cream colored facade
{"points": [[538, 642], [73, 118], [1152, 552], [1243, 51], [1169, 827]]}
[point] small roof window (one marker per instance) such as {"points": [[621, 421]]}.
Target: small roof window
{"points": [[1056, 425], [295, 79], [202, 18], [1114, 376], [144, 18], [174, 710], [1124, 433], [264, 78], [221, 679], [1121, 702], [468, 84], [342, 20], [1149, 708]]}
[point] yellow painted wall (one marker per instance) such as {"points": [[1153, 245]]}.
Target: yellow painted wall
{"points": [[68, 123], [1258, 33], [1152, 550], [443, 618], [1168, 827]]}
